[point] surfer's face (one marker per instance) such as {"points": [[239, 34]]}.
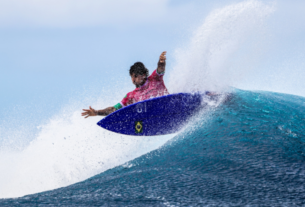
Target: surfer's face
{"points": [[138, 80]]}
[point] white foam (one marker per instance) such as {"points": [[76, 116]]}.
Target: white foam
{"points": [[207, 62], [68, 149]]}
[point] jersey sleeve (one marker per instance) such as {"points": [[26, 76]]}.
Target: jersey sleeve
{"points": [[156, 76], [121, 104], [118, 106], [125, 102]]}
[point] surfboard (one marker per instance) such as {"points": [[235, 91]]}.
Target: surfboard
{"points": [[156, 116]]}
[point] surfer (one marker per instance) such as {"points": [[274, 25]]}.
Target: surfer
{"points": [[146, 87]]}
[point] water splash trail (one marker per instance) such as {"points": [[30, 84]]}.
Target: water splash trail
{"points": [[227, 34]]}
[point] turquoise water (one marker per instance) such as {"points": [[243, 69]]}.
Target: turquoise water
{"points": [[247, 151]]}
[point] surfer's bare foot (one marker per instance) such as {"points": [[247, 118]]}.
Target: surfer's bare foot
{"points": [[211, 93]]}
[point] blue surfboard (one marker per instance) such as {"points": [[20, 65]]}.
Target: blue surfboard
{"points": [[156, 116]]}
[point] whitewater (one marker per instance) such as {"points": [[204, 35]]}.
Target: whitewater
{"points": [[245, 149]]}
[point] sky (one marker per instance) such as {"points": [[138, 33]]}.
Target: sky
{"points": [[51, 48], [55, 50]]}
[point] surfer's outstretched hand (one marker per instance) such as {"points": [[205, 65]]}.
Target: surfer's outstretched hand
{"points": [[162, 57], [89, 112], [162, 62]]}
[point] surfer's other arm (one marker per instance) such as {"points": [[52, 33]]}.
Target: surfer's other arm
{"points": [[93, 112], [162, 63]]}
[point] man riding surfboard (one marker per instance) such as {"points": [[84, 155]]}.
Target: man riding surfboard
{"points": [[146, 87]]}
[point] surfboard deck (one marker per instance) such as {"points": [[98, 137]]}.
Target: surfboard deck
{"points": [[156, 116]]}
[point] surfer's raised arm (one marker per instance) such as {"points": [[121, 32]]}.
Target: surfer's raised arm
{"points": [[93, 112], [147, 86], [162, 63]]}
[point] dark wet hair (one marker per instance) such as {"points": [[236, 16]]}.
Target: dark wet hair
{"points": [[138, 69]]}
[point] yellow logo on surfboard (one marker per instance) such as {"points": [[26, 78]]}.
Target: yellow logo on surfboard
{"points": [[138, 127]]}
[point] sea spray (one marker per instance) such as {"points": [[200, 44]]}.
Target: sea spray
{"points": [[207, 62], [67, 148]]}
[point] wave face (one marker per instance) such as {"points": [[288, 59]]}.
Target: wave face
{"points": [[250, 150]]}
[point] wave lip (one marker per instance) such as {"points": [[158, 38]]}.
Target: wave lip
{"points": [[248, 151]]}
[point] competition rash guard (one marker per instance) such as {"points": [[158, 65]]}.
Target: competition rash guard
{"points": [[153, 87]]}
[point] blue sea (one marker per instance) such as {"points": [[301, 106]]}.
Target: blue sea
{"points": [[247, 151]]}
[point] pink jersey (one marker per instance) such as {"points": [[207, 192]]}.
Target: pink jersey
{"points": [[153, 87]]}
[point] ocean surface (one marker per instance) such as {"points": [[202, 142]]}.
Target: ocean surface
{"points": [[247, 151]]}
